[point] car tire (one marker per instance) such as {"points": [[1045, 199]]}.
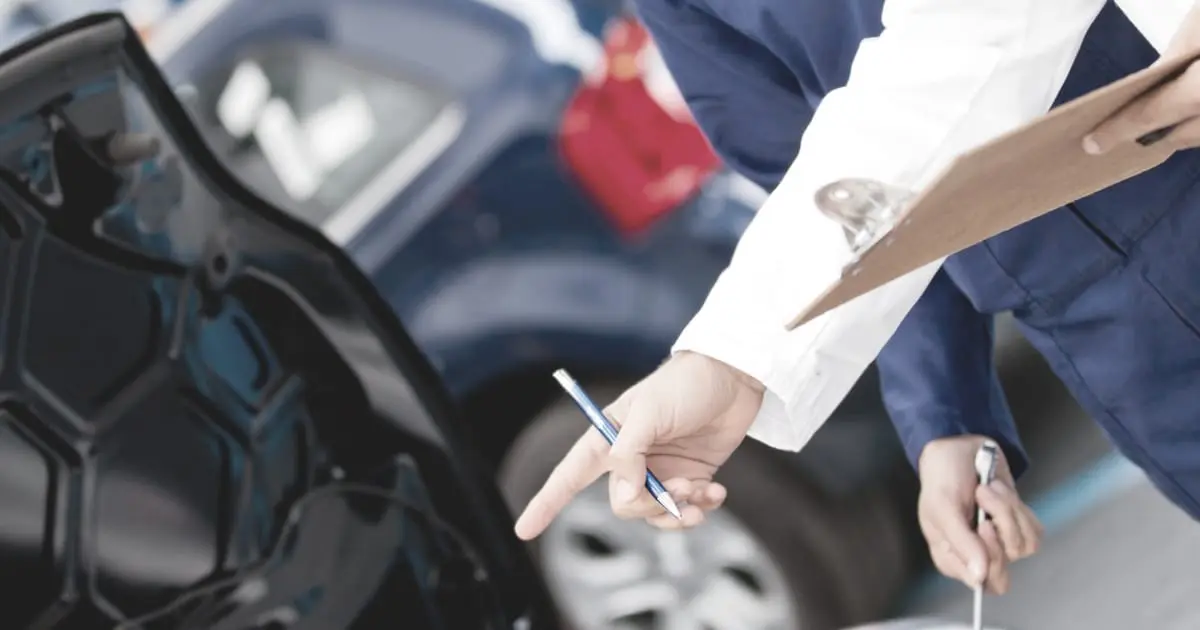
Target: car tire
{"points": [[801, 532]]}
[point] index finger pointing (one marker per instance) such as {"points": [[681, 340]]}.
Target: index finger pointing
{"points": [[582, 465]]}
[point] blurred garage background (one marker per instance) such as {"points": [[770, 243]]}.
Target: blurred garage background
{"points": [[523, 184]]}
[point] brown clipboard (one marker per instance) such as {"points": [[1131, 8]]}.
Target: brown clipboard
{"points": [[1002, 184]]}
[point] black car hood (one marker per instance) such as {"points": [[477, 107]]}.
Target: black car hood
{"points": [[208, 418]]}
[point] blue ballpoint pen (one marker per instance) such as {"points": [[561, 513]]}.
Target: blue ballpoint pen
{"points": [[606, 428]]}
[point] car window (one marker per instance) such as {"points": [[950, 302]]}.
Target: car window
{"points": [[306, 128], [18, 22]]}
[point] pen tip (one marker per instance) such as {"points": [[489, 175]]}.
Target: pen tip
{"points": [[669, 503]]}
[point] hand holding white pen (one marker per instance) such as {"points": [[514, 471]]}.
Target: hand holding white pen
{"points": [[683, 422], [950, 497], [601, 423]]}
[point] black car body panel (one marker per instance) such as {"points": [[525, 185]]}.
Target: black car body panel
{"points": [[208, 417]]}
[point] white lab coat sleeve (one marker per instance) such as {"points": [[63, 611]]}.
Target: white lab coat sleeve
{"points": [[943, 77]]}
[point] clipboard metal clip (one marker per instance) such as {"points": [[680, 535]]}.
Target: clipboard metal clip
{"points": [[867, 209]]}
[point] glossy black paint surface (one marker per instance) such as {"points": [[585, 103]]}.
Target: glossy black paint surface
{"points": [[208, 418]]}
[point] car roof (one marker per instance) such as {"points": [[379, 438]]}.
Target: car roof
{"points": [[462, 41]]}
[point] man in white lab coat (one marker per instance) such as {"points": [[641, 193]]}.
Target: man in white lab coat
{"points": [[1105, 288]]}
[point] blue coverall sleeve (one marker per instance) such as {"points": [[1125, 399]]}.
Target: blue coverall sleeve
{"points": [[937, 372], [731, 83], [939, 378]]}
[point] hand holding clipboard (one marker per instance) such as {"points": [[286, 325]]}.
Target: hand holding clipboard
{"points": [[995, 187]]}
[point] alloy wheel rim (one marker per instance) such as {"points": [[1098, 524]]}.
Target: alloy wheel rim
{"points": [[607, 573]]}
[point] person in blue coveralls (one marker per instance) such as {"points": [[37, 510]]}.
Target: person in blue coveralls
{"points": [[799, 93]]}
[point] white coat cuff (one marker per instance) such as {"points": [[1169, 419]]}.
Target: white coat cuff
{"points": [[740, 330]]}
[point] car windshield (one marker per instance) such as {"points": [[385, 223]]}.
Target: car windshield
{"points": [[307, 129]]}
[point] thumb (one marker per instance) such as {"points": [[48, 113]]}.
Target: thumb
{"points": [[954, 521], [627, 458]]}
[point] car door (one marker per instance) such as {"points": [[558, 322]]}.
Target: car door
{"points": [[208, 417]]}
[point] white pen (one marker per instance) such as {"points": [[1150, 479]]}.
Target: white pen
{"points": [[985, 469]]}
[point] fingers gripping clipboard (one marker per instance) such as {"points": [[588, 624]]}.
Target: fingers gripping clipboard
{"points": [[997, 186]]}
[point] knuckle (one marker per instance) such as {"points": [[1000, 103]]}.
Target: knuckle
{"points": [[1191, 75], [931, 540], [625, 510], [925, 519], [1005, 494], [1013, 533], [561, 484], [592, 448], [618, 410], [1014, 542], [1005, 516], [998, 574]]}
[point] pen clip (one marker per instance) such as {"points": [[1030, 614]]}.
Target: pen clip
{"points": [[985, 470], [866, 208], [985, 461]]}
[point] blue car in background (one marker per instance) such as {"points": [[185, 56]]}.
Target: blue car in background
{"points": [[507, 181], [20, 19]]}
